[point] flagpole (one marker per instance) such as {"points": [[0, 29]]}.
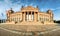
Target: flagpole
{"points": [[2, 19]]}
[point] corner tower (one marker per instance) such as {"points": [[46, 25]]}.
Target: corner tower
{"points": [[51, 15], [8, 13]]}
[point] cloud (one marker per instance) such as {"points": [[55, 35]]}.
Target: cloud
{"points": [[16, 5], [44, 9], [7, 1], [57, 8]]}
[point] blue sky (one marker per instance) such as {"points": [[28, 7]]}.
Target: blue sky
{"points": [[43, 5]]}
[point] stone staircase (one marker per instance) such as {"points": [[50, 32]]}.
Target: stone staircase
{"points": [[30, 23], [33, 23]]}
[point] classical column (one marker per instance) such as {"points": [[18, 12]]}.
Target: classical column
{"points": [[34, 16], [37, 16], [28, 16], [31, 16], [23, 16]]}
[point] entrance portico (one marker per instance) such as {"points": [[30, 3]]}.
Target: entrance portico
{"points": [[30, 16]]}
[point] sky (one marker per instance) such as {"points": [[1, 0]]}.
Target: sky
{"points": [[43, 6]]}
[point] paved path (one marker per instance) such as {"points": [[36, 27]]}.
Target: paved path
{"points": [[5, 32]]}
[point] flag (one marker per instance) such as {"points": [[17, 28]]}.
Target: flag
{"points": [[2, 14]]}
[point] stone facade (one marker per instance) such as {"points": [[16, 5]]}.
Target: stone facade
{"points": [[30, 15]]}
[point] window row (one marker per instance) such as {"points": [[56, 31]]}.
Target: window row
{"points": [[43, 19], [15, 19]]}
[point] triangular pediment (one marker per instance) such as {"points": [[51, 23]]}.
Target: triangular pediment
{"points": [[29, 8]]}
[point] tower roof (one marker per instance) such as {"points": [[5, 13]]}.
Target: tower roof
{"points": [[49, 11]]}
